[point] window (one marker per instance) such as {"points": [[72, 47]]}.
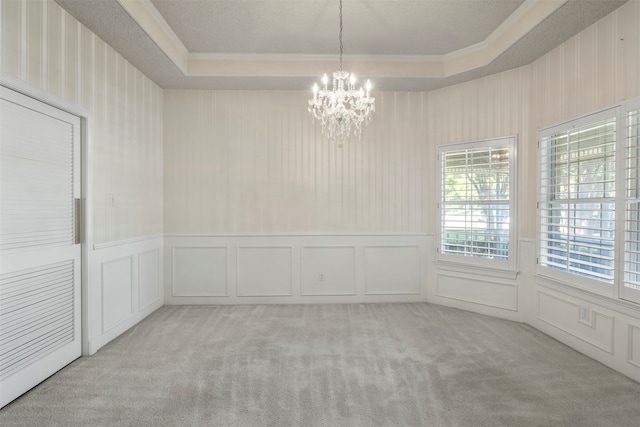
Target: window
{"points": [[577, 205], [589, 170], [476, 202], [631, 284]]}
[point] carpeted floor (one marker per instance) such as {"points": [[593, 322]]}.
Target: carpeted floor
{"points": [[330, 365]]}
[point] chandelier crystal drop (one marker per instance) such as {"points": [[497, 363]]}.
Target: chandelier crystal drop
{"points": [[342, 109]]}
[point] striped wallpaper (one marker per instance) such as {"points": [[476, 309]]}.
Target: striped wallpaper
{"points": [[49, 49], [595, 69], [494, 106], [252, 162], [241, 162]]}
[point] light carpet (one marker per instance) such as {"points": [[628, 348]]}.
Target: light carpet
{"points": [[330, 365]]}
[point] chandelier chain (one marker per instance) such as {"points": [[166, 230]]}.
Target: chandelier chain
{"points": [[340, 35]]}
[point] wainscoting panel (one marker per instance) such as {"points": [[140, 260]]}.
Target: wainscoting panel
{"points": [[634, 345], [489, 292], [200, 271], [596, 328], [117, 292], [264, 271], [298, 269], [602, 328], [392, 270], [129, 278], [328, 270], [149, 291]]}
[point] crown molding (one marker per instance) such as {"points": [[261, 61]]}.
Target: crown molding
{"points": [[530, 14], [524, 19], [149, 19]]}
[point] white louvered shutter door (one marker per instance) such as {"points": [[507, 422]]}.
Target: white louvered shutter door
{"points": [[40, 260]]}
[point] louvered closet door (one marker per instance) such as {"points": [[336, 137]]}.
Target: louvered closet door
{"points": [[39, 257]]}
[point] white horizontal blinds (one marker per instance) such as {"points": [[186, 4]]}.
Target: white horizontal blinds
{"points": [[36, 171], [577, 211], [36, 313], [632, 218], [475, 201]]}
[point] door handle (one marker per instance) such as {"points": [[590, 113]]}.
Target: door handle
{"points": [[77, 208]]}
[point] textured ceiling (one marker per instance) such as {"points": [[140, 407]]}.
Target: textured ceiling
{"points": [[311, 26], [299, 29]]}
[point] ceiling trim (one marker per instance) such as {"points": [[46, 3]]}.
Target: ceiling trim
{"points": [[149, 19], [524, 19], [529, 15]]}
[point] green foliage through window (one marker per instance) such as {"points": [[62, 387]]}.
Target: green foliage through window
{"points": [[475, 206]]}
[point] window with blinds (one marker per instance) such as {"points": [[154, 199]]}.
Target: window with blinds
{"points": [[577, 199], [476, 202], [632, 202]]}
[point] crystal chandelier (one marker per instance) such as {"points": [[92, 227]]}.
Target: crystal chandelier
{"points": [[343, 108]]}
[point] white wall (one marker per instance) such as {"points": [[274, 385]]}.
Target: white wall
{"points": [[238, 164], [252, 187], [253, 162], [270, 268], [490, 107], [127, 280], [597, 68], [49, 50], [243, 163]]}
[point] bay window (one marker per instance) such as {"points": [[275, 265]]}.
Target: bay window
{"points": [[589, 202]]}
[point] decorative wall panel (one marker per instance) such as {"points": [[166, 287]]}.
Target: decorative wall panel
{"points": [[200, 271], [634, 345], [328, 270], [298, 269], [564, 314], [264, 271], [487, 292], [117, 292], [129, 280], [149, 284], [392, 270]]}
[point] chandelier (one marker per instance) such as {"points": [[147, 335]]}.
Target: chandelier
{"points": [[343, 108]]}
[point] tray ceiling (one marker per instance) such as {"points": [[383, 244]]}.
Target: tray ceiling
{"points": [[288, 44]]}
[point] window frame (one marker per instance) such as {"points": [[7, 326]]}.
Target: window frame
{"points": [[560, 275], [615, 290], [624, 292], [508, 266]]}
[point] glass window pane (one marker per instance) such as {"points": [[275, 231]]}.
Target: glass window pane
{"points": [[577, 213], [632, 211], [475, 203]]}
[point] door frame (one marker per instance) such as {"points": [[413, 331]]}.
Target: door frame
{"points": [[86, 242]]}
